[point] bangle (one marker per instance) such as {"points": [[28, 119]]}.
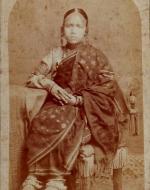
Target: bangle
{"points": [[79, 101]]}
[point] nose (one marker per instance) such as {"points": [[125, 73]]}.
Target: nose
{"points": [[73, 30]]}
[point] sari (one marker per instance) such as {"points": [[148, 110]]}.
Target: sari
{"points": [[58, 131]]}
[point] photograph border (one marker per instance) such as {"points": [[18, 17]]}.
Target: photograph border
{"points": [[6, 7]]}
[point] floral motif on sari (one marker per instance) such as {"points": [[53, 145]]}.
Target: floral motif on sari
{"points": [[89, 74]]}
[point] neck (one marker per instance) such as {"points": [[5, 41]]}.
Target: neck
{"points": [[72, 46]]}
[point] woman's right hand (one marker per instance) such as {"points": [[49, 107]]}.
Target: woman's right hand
{"points": [[57, 92], [62, 95]]}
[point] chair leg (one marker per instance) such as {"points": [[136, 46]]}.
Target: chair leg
{"points": [[117, 179]]}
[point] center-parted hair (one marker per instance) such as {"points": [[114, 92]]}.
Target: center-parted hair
{"points": [[78, 10], [81, 11]]}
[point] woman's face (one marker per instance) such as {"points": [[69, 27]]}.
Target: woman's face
{"points": [[74, 28]]}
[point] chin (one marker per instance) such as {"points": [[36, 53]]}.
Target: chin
{"points": [[74, 42]]}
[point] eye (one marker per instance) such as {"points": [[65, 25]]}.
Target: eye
{"points": [[79, 26], [68, 25]]}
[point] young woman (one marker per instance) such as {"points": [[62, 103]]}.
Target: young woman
{"points": [[80, 107]]}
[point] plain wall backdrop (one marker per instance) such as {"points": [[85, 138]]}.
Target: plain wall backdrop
{"points": [[114, 27]]}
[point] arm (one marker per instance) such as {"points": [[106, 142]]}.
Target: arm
{"points": [[39, 75], [39, 79]]}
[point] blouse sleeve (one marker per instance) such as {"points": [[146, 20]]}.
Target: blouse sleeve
{"points": [[46, 68]]}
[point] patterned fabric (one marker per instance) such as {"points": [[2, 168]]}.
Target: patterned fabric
{"points": [[57, 131]]}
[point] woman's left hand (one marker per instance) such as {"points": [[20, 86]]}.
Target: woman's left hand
{"points": [[75, 100], [72, 100]]}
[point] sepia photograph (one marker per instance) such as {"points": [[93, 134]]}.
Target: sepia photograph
{"points": [[73, 83]]}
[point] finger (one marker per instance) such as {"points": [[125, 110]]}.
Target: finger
{"points": [[57, 96], [70, 98], [61, 103], [63, 99], [64, 94], [106, 71], [109, 76], [68, 95]]}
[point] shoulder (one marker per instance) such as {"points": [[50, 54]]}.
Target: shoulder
{"points": [[57, 50], [54, 52], [99, 52], [101, 58], [96, 52], [54, 55]]}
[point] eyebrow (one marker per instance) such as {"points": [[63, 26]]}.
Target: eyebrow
{"points": [[83, 22]]}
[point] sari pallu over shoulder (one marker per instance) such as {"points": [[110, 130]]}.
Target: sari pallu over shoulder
{"points": [[93, 78], [100, 94]]}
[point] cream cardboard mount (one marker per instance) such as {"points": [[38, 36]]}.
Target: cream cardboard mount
{"points": [[34, 96]]}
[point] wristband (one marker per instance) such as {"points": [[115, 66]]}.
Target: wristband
{"points": [[79, 101]]}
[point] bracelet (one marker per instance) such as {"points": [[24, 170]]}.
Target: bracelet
{"points": [[79, 101]]}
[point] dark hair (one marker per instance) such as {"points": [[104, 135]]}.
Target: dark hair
{"points": [[81, 11]]}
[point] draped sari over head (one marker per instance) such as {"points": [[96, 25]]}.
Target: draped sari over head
{"points": [[57, 131]]}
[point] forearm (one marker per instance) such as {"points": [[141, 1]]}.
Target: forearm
{"points": [[42, 82], [60, 93], [38, 75], [33, 81], [46, 83]]}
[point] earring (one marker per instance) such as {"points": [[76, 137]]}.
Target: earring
{"points": [[63, 41]]}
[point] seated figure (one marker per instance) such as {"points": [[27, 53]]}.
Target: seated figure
{"points": [[82, 115]]}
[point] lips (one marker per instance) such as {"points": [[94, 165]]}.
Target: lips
{"points": [[73, 37]]}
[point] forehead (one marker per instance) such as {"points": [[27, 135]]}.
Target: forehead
{"points": [[75, 18]]}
